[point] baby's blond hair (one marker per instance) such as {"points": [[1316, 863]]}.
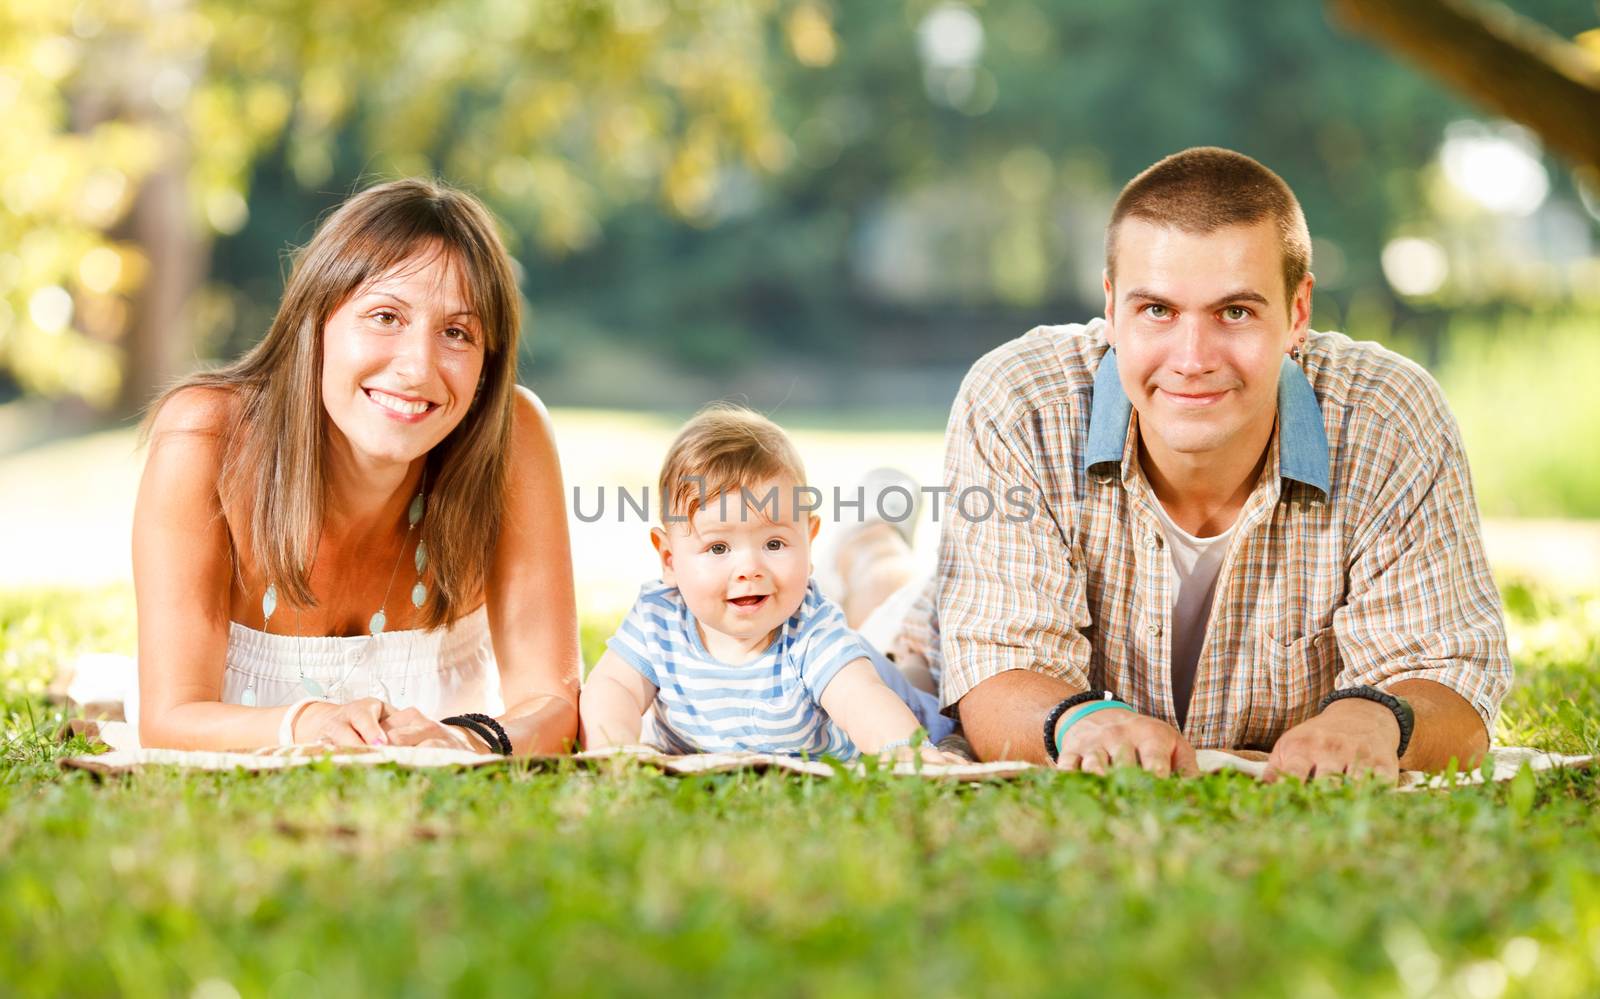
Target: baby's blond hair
{"points": [[723, 449]]}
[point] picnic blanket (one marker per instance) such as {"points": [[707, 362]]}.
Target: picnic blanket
{"points": [[1506, 762]]}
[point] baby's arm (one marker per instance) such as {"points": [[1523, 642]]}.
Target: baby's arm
{"points": [[871, 714], [612, 706]]}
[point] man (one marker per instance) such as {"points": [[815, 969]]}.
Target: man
{"points": [[1246, 534]]}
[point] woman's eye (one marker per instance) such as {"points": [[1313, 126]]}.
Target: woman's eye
{"points": [[457, 334], [386, 318]]}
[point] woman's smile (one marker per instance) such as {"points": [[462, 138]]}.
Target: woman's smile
{"points": [[405, 409]]}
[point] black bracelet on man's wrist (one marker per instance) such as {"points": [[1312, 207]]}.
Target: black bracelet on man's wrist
{"points": [[486, 728], [1399, 705], [1056, 712]]}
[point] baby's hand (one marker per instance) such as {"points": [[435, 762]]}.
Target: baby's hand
{"points": [[927, 753]]}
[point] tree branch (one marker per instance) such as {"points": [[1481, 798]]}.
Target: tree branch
{"points": [[1498, 58]]}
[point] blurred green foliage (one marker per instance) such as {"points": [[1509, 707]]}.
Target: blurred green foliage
{"points": [[815, 204], [563, 107], [914, 223], [1522, 388]]}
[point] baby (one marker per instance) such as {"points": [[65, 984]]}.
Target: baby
{"points": [[735, 648]]}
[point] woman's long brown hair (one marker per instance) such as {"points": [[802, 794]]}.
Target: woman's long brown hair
{"points": [[275, 445]]}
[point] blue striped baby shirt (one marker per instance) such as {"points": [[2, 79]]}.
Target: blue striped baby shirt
{"points": [[772, 704]]}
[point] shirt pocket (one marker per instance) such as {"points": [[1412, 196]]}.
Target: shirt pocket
{"points": [[1288, 681]]}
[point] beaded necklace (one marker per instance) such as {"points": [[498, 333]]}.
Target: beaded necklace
{"points": [[375, 624]]}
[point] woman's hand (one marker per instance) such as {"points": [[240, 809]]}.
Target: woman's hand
{"points": [[410, 727], [359, 723]]}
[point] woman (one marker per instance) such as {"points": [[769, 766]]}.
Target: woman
{"points": [[357, 529]]}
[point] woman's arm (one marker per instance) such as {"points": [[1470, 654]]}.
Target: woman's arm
{"points": [[181, 576], [614, 701], [533, 614]]}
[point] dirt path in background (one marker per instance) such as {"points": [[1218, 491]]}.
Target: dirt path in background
{"points": [[66, 508]]}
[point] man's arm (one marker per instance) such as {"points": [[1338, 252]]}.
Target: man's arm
{"points": [[1447, 727], [1003, 716], [1012, 606], [1422, 621], [1354, 736], [1009, 607], [1018, 702], [1012, 602]]}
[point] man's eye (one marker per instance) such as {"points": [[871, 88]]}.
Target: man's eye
{"points": [[776, 545], [717, 548], [1236, 313], [1157, 311]]}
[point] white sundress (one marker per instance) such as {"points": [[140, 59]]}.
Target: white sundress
{"points": [[448, 671]]}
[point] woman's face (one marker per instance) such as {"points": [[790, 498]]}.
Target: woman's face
{"points": [[401, 359]]}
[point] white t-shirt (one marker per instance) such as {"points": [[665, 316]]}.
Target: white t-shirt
{"points": [[1195, 564]]}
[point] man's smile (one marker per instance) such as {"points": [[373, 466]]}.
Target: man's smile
{"points": [[1192, 400]]}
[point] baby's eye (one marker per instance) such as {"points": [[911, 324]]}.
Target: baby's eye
{"points": [[717, 548], [776, 545]]}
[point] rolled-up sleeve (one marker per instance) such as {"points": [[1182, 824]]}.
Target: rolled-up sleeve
{"points": [[1008, 594], [1421, 602]]}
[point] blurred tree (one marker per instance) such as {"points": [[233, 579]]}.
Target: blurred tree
{"points": [[134, 127]]}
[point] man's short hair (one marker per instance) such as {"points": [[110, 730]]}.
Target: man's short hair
{"points": [[1204, 189], [723, 449]]}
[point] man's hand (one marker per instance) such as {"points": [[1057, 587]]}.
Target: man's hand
{"points": [[1118, 738], [1352, 737]]}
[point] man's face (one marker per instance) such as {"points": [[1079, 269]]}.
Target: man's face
{"points": [[1201, 323]]}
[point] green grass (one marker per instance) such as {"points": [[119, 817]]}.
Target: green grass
{"points": [[373, 881]]}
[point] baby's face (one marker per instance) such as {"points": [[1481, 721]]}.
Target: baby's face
{"points": [[742, 570]]}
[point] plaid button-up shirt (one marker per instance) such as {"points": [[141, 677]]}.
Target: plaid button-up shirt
{"points": [[1357, 558]]}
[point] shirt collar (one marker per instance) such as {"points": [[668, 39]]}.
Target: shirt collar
{"points": [[1302, 441]]}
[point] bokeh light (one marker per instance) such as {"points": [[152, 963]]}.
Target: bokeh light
{"points": [[1497, 167], [1415, 267]]}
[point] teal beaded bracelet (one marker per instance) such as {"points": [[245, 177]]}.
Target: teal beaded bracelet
{"points": [[1084, 712]]}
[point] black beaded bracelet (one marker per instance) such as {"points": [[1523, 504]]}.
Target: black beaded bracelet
{"points": [[487, 729], [482, 731], [1061, 709], [503, 741]]}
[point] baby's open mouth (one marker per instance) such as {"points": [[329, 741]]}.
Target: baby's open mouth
{"points": [[750, 601]]}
